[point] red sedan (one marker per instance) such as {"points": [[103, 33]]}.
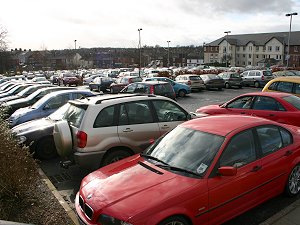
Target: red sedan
{"points": [[205, 171], [280, 107]]}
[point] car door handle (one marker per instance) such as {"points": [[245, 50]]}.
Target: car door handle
{"points": [[271, 115], [243, 112], [127, 130], [287, 153], [165, 127], [256, 168]]}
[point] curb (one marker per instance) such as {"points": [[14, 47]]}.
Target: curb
{"points": [[60, 199]]}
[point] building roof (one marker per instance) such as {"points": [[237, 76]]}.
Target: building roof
{"points": [[258, 39]]}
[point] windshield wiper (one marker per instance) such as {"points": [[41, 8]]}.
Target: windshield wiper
{"points": [[179, 169], [154, 158]]}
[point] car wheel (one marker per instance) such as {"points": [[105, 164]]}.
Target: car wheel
{"points": [[256, 84], [45, 149], [241, 86], [181, 93], [175, 220], [293, 184], [227, 85], [114, 155], [112, 91], [62, 138]]}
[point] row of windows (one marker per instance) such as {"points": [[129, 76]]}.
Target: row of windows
{"points": [[243, 48]]}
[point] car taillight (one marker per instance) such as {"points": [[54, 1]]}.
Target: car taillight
{"points": [[151, 89], [262, 77], [81, 139], [189, 82]]}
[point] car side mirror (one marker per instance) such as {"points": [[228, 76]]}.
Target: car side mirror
{"points": [[227, 171]]}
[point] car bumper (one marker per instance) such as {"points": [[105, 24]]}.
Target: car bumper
{"points": [[88, 160]]}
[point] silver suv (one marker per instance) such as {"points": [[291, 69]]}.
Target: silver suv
{"points": [[257, 78], [103, 129]]}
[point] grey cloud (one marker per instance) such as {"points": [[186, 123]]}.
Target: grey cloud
{"points": [[238, 6]]}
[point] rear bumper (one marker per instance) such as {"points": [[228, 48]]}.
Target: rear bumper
{"points": [[88, 160]]}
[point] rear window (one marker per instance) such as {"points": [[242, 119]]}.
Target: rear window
{"points": [[267, 73], [295, 101], [74, 114], [195, 78], [162, 88]]}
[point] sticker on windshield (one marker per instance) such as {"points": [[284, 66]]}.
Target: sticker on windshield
{"points": [[201, 168]]}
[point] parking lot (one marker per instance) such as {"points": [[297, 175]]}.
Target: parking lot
{"points": [[67, 181]]}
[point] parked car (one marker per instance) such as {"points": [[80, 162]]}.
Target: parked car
{"points": [[280, 107], [257, 78], [40, 80], [205, 171], [24, 93], [213, 81], [151, 87], [122, 82], [13, 105], [101, 84], [89, 79], [231, 79], [290, 84], [181, 90], [38, 134], [283, 73], [194, 81], [13, 91], [103, 129], [68, 79], [46, 105]]}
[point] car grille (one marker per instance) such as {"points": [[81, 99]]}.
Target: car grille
{"points": [[88, 211]]}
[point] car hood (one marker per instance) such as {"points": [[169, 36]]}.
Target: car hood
{"points": [[38, 124], [22, 111], [135, 186], [208, 109]]}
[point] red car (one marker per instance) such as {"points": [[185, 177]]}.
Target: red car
{"points": [[205, 171], [280, 107]]}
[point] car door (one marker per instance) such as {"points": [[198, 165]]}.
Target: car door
{"points": [[229, 195], [137, 127], [239, 105], [168, 114]]}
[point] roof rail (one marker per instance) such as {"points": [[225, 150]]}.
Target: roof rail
{"points": [[125, 96]]}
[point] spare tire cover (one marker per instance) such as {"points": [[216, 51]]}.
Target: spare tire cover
{"points": [[62, 138]]}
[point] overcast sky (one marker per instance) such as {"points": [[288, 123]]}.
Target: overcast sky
{"points": [[55, 24]]}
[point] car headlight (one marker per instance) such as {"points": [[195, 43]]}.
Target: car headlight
{"points": [[108, 220]]}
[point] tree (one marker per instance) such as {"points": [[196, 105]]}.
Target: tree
{"points": [[4, 56], [3, 40]]}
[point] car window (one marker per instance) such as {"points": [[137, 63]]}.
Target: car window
{"points": [[105, 118], [293, 100], [267, 103], [285, 87], [240, 151], [57, 101], [241, 103], [167, 111], [161, 89], [297, 88], [286, 137], [273, 86], [135, 113], [267, 73], [74, 115], [269, 138]]}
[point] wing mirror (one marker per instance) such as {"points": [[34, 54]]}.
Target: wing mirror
{"points": [[227, 171]]}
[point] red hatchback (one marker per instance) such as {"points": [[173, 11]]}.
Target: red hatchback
{"points": [[205, 171], [280, 107]]}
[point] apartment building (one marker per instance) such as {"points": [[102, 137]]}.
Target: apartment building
{"points": [[261, 49]]}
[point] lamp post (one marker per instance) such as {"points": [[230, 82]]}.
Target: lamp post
{"points": [[168, 53], [288, 51], [75, 43], [140, 50], [226, 32]]}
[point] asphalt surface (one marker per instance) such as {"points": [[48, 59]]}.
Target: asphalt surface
{"points": [[67, 181]]}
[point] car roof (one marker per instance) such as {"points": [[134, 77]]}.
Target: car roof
{"points": [[294, 79], [271, 94], [152, 82], [68, 91], [224, 124]]}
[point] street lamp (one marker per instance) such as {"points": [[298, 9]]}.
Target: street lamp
{"points": [[75, 43], [288, 51], [140, 48], [226, 32], [168, 53]]}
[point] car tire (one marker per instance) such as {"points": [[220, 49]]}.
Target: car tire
{"points": [[240, 86], [292, 187], [114, 155], [227, 85], [45, 149], [112, 91], [62, 138], [178, 220], [181, 93], [256, 84]]}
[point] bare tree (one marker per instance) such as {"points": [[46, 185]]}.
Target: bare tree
{"points": [[3, 39]]}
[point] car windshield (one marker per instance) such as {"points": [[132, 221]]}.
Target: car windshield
{"points": [[267, 73], [195, 78], [293, 100], [186, 149]]}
